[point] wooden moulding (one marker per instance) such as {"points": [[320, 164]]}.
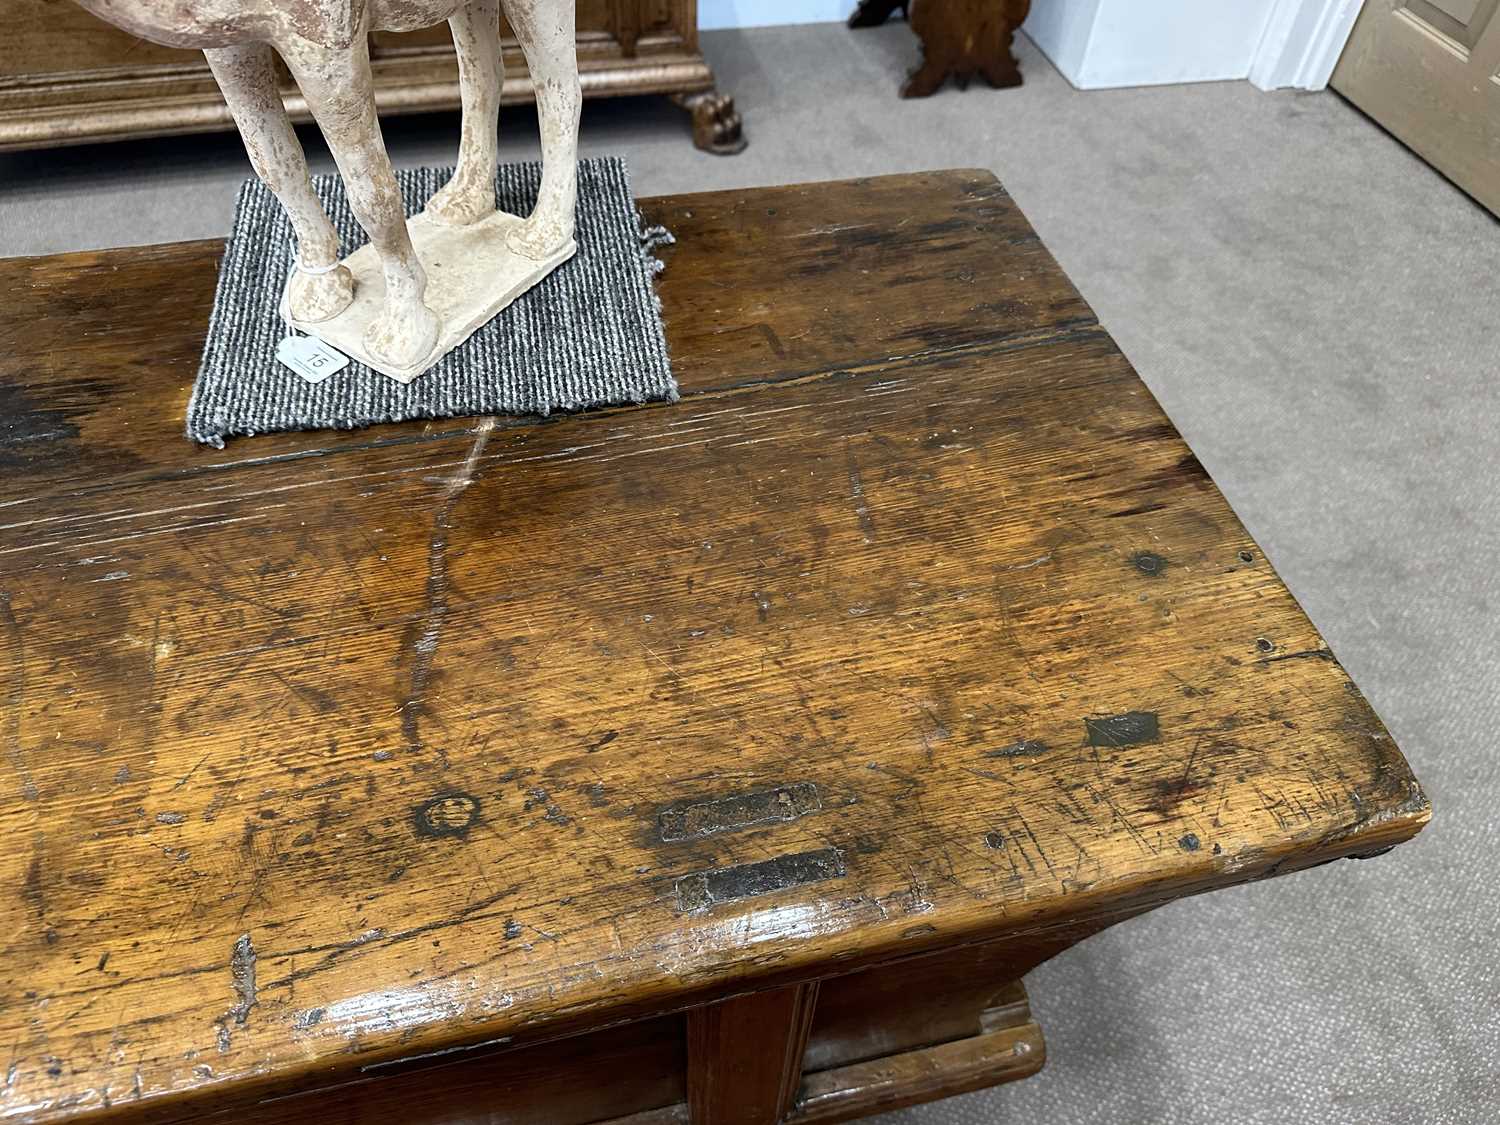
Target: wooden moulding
{"points": [[115, 108], [66, 78], [940, 1071], [1010, 1047]]}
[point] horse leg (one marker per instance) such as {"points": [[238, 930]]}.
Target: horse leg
{"points": [[247, 76], [339, 92], [470, 194], [546, 34]]}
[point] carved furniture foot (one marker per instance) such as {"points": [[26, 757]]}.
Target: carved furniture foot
{"points": [[961, 38], [716, 123]]}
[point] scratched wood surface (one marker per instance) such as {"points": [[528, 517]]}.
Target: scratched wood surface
{"points": [[913, 624]]}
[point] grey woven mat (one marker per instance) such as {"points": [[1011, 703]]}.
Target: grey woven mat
{"points": [[590, 334]]}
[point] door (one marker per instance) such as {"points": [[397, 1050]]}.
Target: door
{"points": [[1429, 71]]}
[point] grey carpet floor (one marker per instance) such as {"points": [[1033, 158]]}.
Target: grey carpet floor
{"points": [[1319, 312]]}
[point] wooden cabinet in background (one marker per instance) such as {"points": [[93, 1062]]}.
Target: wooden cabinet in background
{"points": [[68, 78]]}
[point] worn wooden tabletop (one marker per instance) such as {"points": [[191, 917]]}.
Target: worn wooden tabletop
{"points": [[914, 623]]}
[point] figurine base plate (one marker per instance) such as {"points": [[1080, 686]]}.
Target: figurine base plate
{"points": [[471, 275]]}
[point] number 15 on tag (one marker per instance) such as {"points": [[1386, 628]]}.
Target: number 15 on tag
{"points": [[310, 357]]}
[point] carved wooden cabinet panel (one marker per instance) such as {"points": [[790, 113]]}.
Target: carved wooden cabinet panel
{"points": [[67, 78]]}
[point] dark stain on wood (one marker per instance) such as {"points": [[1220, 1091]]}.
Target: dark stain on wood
{"points": [[448, 814], [29, 429], [602, 741], [692, 820], [1149, 563], [704, 889], [1025, 748], [1128, 729], [539, 798], [34, 887]]}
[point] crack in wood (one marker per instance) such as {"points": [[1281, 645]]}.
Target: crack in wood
{"points": [[436, 613]]}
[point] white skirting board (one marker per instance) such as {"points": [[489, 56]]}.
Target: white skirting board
{"points": [[1098, 44]]}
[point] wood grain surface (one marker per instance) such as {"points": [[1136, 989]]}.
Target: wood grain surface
{"points": [[733, 1079], [914, 624]]}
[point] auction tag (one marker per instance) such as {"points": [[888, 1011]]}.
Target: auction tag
{"points": [[310, 358]]}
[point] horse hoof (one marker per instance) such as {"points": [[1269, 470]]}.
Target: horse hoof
{"points": [[537, 239], [403, 339], [456, 205], [316, 297]]}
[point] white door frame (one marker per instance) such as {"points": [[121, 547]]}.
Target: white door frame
{"points": [[1302, 42]]}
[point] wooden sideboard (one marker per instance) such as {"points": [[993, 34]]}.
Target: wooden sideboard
{"points": [[68, 78]]}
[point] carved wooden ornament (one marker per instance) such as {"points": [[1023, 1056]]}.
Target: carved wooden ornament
{"points": [[478, 259]]}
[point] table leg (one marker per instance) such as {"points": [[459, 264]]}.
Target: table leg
{"points": [[745, 1056]]}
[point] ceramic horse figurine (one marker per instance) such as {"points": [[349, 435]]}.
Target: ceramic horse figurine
{"points": [[325, 44]]}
